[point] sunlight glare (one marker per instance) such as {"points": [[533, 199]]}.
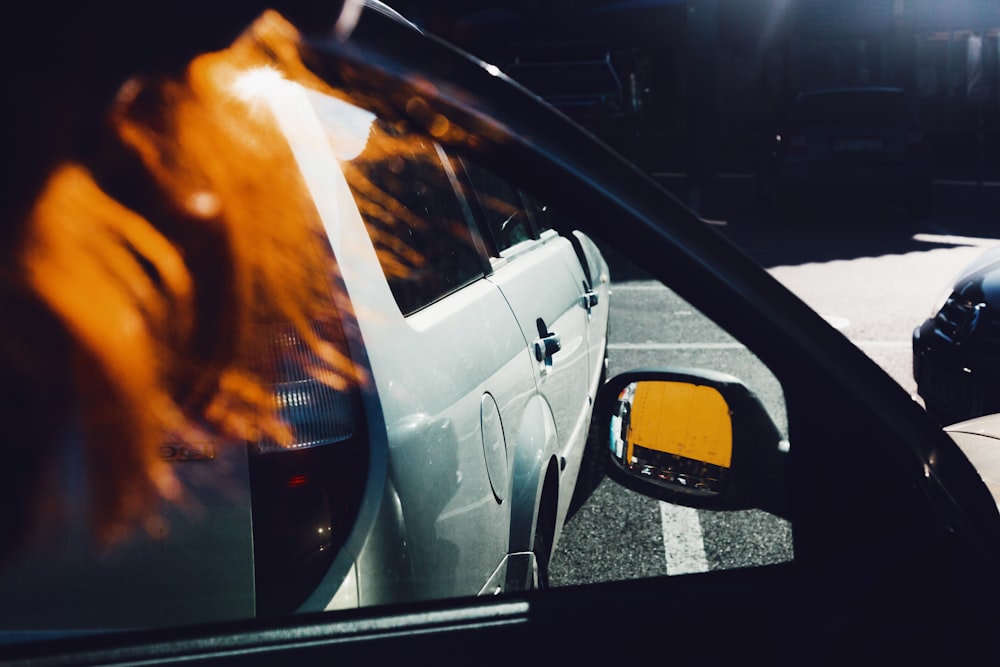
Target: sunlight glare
{"points": [[951, 239]]}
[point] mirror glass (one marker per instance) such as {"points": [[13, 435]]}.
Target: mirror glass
{"points": [[678, 433]]}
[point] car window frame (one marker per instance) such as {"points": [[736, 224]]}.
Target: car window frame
{"points": [[494, 247], [413, 296]]}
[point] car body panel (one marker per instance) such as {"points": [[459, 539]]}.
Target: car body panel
{"points": [[434, 370], [156, 576], [433, 415], [544, 287]]}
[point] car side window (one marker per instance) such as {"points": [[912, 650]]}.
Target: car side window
{"points": [[419, 226], [502, 208], [539, 210]]}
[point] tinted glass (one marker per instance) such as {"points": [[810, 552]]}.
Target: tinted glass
{"points": [[500, 205], [407, 197]]}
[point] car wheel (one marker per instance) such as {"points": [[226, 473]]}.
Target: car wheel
{"points": [[541, 550], [541, 543]]}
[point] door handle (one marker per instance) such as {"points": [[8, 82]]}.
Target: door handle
{"points": [[589, 300], [546, 346]]}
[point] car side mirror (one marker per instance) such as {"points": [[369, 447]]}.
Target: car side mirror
{"points": [[693, 437]]}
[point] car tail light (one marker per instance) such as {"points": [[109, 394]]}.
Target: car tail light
{"points": [[317, 414], [305, 494]]}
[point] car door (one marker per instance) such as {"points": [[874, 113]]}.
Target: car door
{"points": [[446, 353], [597, 284], [541, 276]]}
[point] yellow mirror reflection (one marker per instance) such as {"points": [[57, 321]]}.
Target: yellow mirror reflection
{"points": [[678, 432], [683, 419]]}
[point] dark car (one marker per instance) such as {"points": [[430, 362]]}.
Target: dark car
{"points": [[861, 146], [894, 536], [956, 351]]}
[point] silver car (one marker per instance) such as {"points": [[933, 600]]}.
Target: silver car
{"points": [[441, 456]]}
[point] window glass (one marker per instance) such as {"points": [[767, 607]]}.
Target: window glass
{"points": [[416, 220], [500, 205], [540, 211]]}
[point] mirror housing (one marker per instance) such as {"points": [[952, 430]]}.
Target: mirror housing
{"points": [[693, 437]]}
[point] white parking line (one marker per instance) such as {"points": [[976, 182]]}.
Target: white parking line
{"points": [[683, 543], [736, 346], [676, 346]]}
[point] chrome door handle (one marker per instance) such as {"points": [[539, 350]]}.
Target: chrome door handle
{"points": [[546, 346]]}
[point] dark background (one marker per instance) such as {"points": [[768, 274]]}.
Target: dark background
{"points": [[702, 82]]}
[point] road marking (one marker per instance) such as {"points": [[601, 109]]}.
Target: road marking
{"points": [[640, 285], [676, 346], [683, 542], [651, 347]]}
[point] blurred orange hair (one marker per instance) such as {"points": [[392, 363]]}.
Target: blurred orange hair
{"points": [[134, 293]]}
